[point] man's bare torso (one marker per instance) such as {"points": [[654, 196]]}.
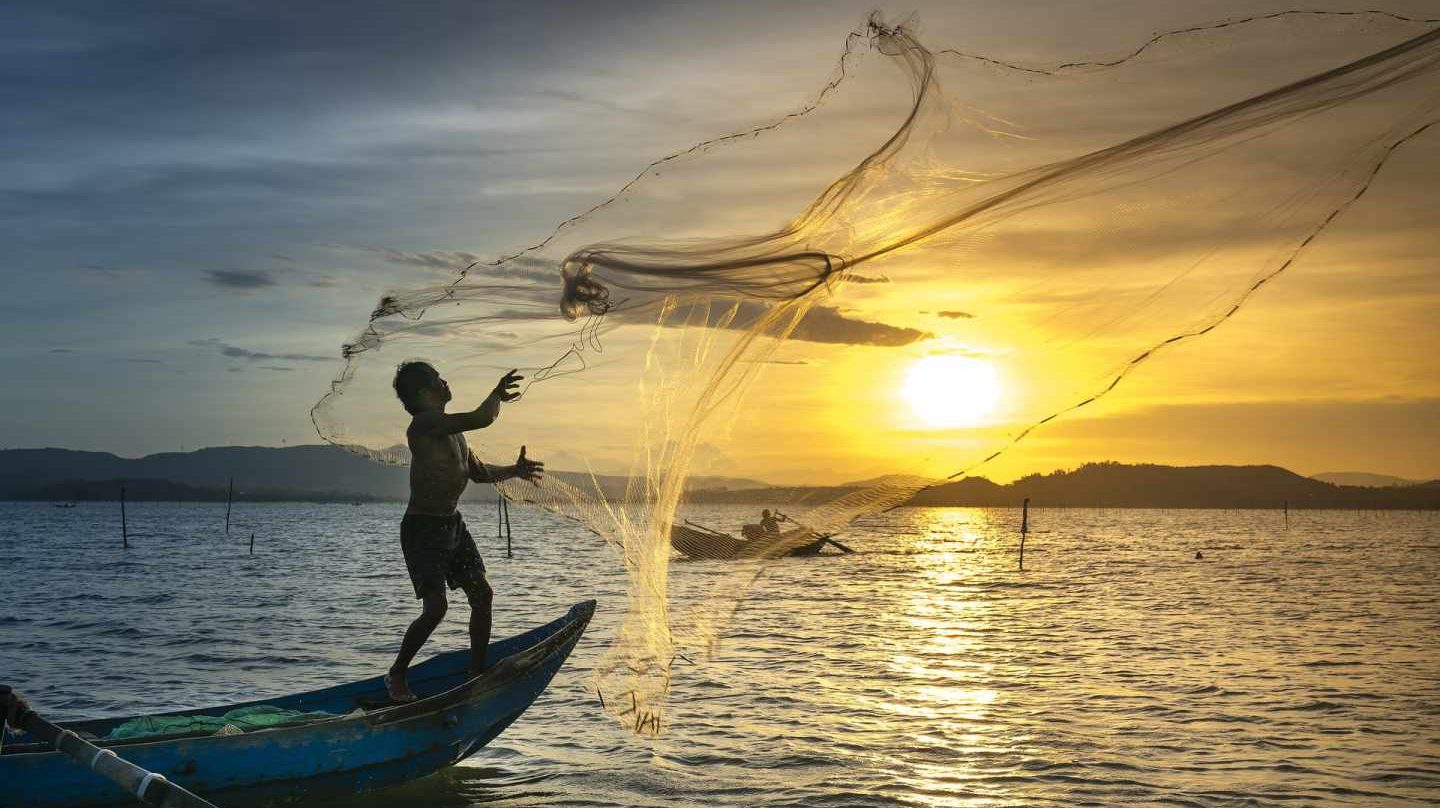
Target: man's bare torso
{"points": [[439, 472]]}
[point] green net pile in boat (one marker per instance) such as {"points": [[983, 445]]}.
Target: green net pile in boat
{"points": [[244, 719]]}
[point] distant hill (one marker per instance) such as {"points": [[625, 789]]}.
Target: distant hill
{"points": [[782, 495], [1363, 478], [135, 491], [1117, 485], [319, 472], [141, 490], [330, 474], [703, 482], [315, 473]]}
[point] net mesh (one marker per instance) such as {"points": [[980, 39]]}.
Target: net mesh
{"points": [[1044, 229]]}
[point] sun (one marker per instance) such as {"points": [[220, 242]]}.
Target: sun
{"points": [[951, 391]]}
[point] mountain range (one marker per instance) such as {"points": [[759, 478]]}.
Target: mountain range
{"points": [[297, 473], [327, 473]]}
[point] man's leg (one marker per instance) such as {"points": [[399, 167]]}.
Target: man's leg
{"points": [[481, 598], [415, 637], [468, 572]]}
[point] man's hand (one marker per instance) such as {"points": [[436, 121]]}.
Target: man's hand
{"points": [[507, 389], [527, 469]]}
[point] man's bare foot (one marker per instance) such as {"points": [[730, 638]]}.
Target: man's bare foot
{"points": [[398, 689]]}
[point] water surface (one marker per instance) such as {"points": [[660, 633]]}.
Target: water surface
{"points": [[1288, 666]]}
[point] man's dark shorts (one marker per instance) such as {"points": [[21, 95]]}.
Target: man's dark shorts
{"points": [[439, 551]]}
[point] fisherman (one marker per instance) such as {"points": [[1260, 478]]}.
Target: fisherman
{"points": [[438, 549], [770, 524]]}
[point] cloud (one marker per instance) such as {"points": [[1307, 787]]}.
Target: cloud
{"points": [[241, 278], [145, 361], [236, 352], [276, 367], [956, 315], [953, 351], [825, 324], [111, 272], [62, 350], [451, 260], [854, 278], [524, 267], [822, 324]]}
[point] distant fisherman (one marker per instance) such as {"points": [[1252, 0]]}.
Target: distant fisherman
{"points": [[438, 548], [770, 523]]}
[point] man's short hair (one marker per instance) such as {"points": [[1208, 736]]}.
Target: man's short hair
{"points": [[410, 379]]}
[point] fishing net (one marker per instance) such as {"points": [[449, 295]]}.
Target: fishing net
{"points": [[994, 244], [237, 721]]}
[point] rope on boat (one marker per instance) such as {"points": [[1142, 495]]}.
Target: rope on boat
{"points": [[145, 783]]}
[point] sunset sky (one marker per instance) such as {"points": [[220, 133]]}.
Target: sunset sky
{"points": [[201, 203]]}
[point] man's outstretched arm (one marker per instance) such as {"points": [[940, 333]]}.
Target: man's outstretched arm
{"points": [[486, 473], [524, 469], [482, 416]]}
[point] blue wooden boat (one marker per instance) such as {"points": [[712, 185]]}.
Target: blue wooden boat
{"points": [[369, 744]]}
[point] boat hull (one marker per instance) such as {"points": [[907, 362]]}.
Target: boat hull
{"points": [[699, 544], [357, 752]]}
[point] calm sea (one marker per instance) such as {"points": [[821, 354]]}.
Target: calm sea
{"points": [[1289, 666]]}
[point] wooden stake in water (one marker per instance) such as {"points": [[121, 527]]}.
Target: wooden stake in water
{"points": [[229, 498], [1024, 529], [1287, 514], [252, 543], [505, 509], [124, 530]]}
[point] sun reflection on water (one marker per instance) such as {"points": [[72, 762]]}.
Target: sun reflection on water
{"points": [[947, 696]]}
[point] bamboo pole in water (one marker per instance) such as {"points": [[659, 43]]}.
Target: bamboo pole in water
{"points": [[1024, 529], [229, 498], [124, 530], [506, 506]]}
